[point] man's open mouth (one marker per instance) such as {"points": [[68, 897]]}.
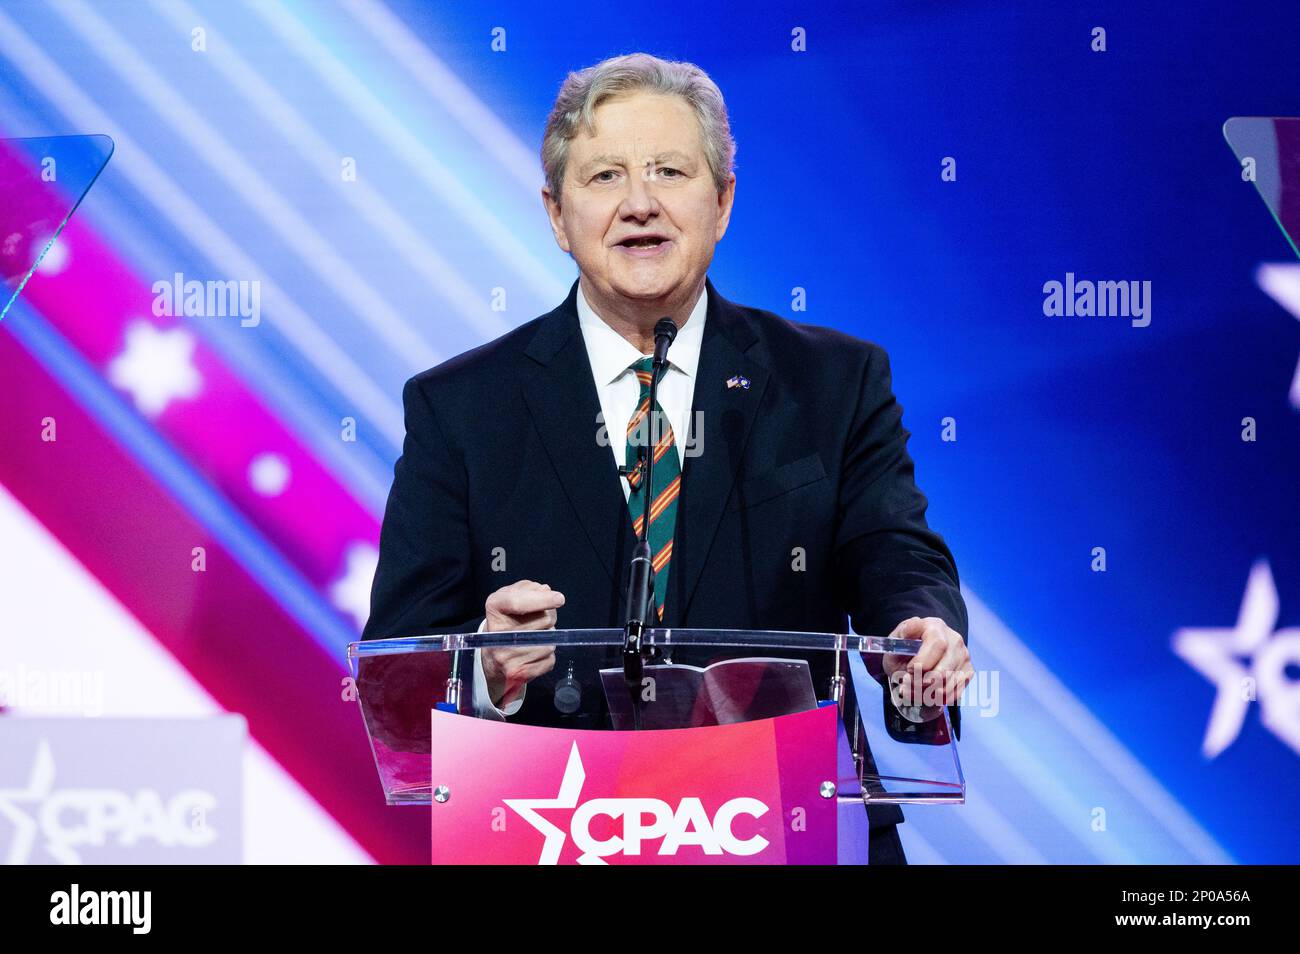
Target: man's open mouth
{"points": [[645, 241]]}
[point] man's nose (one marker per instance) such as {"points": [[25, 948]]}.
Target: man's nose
{"points": [[639, 203]]}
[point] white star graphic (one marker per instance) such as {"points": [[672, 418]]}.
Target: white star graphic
{"points": [[155, 367], [570, 789], [55, 258], [38, 787], [1234, 658], [1282, 283], [269, 474], [351, 592]]}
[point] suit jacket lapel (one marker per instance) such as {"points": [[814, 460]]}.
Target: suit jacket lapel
{"points": [[562, 399], [723, 418]]}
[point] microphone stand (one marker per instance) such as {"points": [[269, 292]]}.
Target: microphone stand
{"points": [[640, 587]]}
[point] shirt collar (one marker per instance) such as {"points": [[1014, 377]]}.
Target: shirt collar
{"points": [[611, 354]]}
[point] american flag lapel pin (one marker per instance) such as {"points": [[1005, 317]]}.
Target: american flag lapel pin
{"points": [[738, 381]]}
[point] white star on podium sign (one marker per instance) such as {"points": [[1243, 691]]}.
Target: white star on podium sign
{"points": [[570, 789], [156, 368], [1250, 655]]}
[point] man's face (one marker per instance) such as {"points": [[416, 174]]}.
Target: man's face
{"points": [[639, 210]]}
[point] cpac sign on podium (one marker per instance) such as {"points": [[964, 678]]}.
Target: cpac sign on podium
{"points": [[760, 792]]}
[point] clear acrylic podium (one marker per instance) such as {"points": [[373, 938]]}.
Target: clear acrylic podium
{"points": [[42, 181], [415, 690]]}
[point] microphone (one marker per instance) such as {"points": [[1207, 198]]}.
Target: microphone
{"points": [[665, 334], [640, 587]]}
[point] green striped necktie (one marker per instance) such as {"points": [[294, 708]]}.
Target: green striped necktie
{"points": [[642, 429]]}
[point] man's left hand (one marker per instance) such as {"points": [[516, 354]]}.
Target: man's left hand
{"points": [[938, 672]]}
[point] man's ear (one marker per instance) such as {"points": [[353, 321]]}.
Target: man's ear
{"points": [[726, 198], [557, 223]]}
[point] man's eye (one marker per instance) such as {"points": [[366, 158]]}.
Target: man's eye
{"points": [[669, 172], [601, 176]]}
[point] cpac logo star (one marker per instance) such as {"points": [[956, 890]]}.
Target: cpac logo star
{"points": [[643, 819], [38, 788], [1246, 662]]}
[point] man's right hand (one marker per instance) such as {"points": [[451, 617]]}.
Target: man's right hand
{"points": [[520, 606]]}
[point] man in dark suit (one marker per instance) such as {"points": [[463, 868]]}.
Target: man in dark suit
{"points": [[787, 504]]}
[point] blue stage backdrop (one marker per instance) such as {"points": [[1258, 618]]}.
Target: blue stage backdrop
{"points": [[1120, 492]]}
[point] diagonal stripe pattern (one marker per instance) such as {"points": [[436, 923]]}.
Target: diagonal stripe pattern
{"points": [[646, 430]]}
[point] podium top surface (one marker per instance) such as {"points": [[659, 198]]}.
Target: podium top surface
{"points": [[653, 638], [692, 679]]}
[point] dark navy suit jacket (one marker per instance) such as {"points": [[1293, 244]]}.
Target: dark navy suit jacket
{"points": [[501, 459]]}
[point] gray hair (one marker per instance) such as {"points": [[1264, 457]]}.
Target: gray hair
{"points": [[586, 89]]}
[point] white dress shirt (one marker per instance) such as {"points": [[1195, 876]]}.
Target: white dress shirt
{"points": [[611, 357]]}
